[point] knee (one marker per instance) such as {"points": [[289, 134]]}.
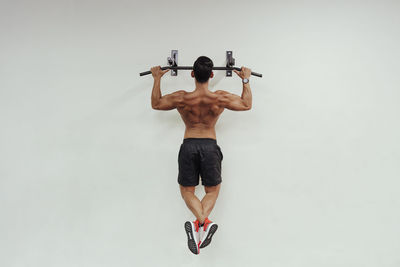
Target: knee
{"points": [[213, 194], [212, 189], [187, 195], [187, 191]]}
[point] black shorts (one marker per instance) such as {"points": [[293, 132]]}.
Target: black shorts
{"points": [[199, 156]]}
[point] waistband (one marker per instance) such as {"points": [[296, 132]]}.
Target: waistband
{"points": [[200, 140]]}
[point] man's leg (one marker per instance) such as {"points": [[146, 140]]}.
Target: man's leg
{"points": [[192, 202], [208, 203], [209, 199], [192, 228], [200, 209]]}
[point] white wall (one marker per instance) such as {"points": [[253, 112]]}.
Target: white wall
{"points": [[88, 170]]}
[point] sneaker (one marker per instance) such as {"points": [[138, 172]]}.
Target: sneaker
{"points": [[209, 228], [192, 232]]}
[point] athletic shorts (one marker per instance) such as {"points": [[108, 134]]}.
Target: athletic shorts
{"points": [[199, 156]]}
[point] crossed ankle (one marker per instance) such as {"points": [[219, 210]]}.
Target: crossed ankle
{"points": [[202, 222]]}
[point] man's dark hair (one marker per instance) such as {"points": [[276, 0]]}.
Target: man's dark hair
{"points": [[202, 68]]}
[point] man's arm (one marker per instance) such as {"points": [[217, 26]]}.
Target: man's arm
{"points": [[235, 102], [166, 102], [169, 101]]}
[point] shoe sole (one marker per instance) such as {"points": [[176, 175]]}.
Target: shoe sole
{"points": [[210, 234], [191, 242]]}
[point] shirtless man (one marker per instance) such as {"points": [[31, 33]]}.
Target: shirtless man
{"points": [[199, 153]]}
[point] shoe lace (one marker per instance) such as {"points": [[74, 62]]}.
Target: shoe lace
{"points": [[206, 223], [197, 225]]}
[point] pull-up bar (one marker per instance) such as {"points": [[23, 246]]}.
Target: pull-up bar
{"points": [[173, 65], [191, 68]]}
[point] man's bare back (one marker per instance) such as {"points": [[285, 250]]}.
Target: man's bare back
{"points": [[200, 111], [201, 108]]}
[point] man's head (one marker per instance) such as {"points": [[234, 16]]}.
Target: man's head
{"points": [[202, 69]]}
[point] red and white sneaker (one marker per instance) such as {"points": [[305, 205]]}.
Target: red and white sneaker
{"points": [[209, 228], [193, 235]]}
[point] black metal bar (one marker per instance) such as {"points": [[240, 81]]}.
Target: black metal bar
{"points": [[191, 68]]}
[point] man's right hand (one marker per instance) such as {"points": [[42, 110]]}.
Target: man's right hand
{"points": [[244, 73]]}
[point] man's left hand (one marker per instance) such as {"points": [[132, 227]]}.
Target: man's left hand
{"points": [[157, 72]]}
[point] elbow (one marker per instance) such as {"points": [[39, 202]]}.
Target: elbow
{"points": [[154, 105], [244, 108], [247, 106]]}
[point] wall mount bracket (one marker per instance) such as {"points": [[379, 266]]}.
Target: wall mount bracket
{"points": [[173, 62], [230, 62]]}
